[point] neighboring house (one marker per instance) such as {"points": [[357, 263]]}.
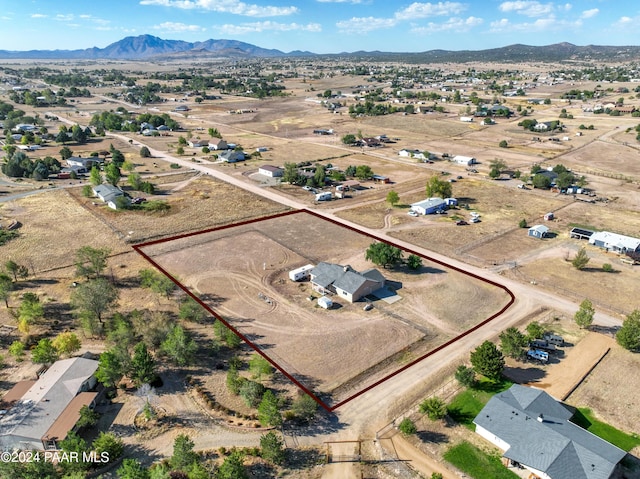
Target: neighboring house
{"points": [[417, 154], [198, 143], [271, 171], [615, 242], [534, 431], [86, 163], [107, 193], [464, 160], [542, 126], [381, 179], [345, 282], [218, 144], [538, 231], [231, 156], [41, 413], [429, 206], [371, 142], [181, 108], [466, 119]]}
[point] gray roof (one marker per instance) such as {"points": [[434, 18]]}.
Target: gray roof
{"points": [[429, 203], [343, 277], [107, 192], [32, 416], [555, 446]]}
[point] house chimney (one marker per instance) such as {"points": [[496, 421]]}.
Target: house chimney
{"points": [[541, 418]]}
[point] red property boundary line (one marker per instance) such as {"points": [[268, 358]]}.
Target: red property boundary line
{"points": [[139, 249]]}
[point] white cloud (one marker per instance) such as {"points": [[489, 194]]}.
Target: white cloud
{"points": [[458, 25], [64, 18], [177, 27], [526, 7], [358, 25], [549, 23], [423, 10], [257, 27], [590, 13], [354, 2], [235, 7], [39, 15]]}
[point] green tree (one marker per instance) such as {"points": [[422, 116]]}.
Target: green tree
{"points": [[512, 342], [581, 259], [74, 444], [132, 469], [320, 175], [535, 330], [180, 150], [179, 346], [414, 262], [523, 223], [628, 336], [128, 166], [252, 392], [191, 310], [348, 139], [91, 262], [6, 286], [407, 427], [214, 133], [16, 349], [183, 453], [143, 366], [541, 181], [383, 254], [503, 144], [232, 467], [434, 408], [88, 417], [29, 311], [16, 270], [110, 369], [494, 173], [363, 172], [66, 343], [393, 198], [95, 177], [94, 298], [65, 153], [44, 352], [269, 410], [291, 174], [465, 376], [259, 366], [144, 152], [234, 381], [304, 407], [134, 180], [156, 282], [112, 174], [487, 360], [272, 448], [438, 188], [108, 443], [584, 315]]}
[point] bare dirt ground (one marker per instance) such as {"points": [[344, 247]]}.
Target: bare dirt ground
{"points": [[291, 330]]}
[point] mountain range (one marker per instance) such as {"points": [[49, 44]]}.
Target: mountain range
{"points": [[149, 47]]}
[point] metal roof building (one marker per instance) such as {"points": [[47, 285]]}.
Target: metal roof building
{"points": [[614, 242], [535, 431]]}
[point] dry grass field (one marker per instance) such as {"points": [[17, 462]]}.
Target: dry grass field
{"points": [[338, 351]]}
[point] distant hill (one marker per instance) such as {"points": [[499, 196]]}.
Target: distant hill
{"points": [[147, 47]]}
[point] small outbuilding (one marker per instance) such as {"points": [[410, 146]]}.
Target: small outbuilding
{"points": [[451, 201], [464, 160], [325, 302], [271, 171], [538, 231], [302, 273], [549, 216]]}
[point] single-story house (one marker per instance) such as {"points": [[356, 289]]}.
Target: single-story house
{"points": [[344, 281], [107, 193], [615, 242], [231, 156], [538, 231], [197, 143], [429, 206], [464, 160], [86, 163], [417, 154], [535, 431], [542, 126], [381, 179], [217, 144], [41, 413], [181, 108], [271, 171]]}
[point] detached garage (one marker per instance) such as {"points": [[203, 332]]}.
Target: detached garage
{"points": [[429, 206], [270, 171], [538, 231]]}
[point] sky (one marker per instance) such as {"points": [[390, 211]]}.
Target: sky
{"points": [[321, 26]]}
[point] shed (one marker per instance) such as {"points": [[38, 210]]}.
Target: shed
{"points": [[429, 206], [451, 201], [325, 302], [464, 160], [271, 171], [538, 231], [381, 179], [549, 216]]}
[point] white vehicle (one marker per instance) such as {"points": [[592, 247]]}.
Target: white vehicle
{"points": [[475, 214], [325, 196], [474, 219], [412, 213]]}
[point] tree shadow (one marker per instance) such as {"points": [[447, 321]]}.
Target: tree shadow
{"points": [[261, 469], [433, 436], [524, 375], [460, 416]]}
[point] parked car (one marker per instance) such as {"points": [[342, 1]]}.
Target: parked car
{"points": [[461, 223], [538, 355], [138, 201], [412, 213], [475, 219]]}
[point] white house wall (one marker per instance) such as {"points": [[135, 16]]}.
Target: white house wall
{"points": [[492, 438]]}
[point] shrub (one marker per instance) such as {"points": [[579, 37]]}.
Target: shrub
{"points": [[407, 427], [523, 223], [607, 268]]}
